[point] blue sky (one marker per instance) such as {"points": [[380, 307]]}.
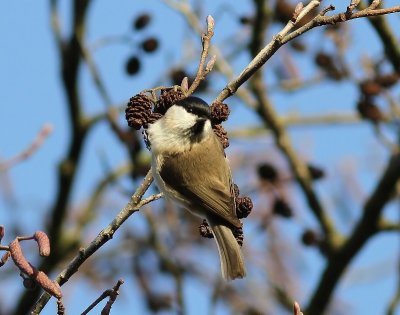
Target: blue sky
{"points": [[31, 95]]}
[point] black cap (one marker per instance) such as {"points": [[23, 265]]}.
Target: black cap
{"points": [[195, 105]]}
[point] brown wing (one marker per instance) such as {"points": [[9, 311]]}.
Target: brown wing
{"points": [[204, 179]]}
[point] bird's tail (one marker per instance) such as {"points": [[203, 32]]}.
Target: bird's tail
{"points": [[230, 254]]}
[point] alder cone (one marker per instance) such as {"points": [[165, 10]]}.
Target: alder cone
{"points": [[138, 111]]}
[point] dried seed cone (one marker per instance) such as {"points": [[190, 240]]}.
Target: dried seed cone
{"points": [[370, 88], [238, 233], [222, 135], [387, 80], [152, 119], [2, 232], [244, 205], [29, 284], [315, 172], [268, 172], [138, 111], [219, 112], [167, 98], [310, 238], [282, 208], [368, 110], [205, 230]]}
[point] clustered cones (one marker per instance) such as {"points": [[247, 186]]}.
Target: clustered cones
{"points": [[270, 176], [220, 113], [143, 110], [370, 89], [368, 109], [239, 235], [205, 230], [272, 179], [222, 135], [244, 205], [167, 99]]}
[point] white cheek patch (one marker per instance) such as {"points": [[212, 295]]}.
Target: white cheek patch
{"points": [[167, 135], [177, 118], [208, 127]]}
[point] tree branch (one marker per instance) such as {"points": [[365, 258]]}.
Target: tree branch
{"points": [[135, 203], [202, 70], [367, 226], [284, 36], [70, 56]]}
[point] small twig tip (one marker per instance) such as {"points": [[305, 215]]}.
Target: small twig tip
{"points": [[47, 128], [185, 84], [210, 22], [211, 63]]}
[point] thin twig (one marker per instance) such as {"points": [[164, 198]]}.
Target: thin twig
{"points": [[386, 226], [364, 229], [120, 107], [283, 37], [202, 70], [108, 40], [298, 16], [388, 38], [112, 293], [395, 300], [55, 24], [296, 309], [296, 121], [135, 203], [70, 60], [353, 4], [88, 212], [113, 296], [166, 261], [221, 64]]}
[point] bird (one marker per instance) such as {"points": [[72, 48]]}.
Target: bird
{"points": [[190, 168]]}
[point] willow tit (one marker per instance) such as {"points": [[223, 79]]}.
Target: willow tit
{"points": [[189, 167]]}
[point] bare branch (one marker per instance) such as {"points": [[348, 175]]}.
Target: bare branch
{"points": [[395, 300], [296, 309], [353, 4], [386, 226], [366, 227], [299, 13], [295, 121], [201, 70], [103, 237], [285, 36], [87, 56], [111, 293]]}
